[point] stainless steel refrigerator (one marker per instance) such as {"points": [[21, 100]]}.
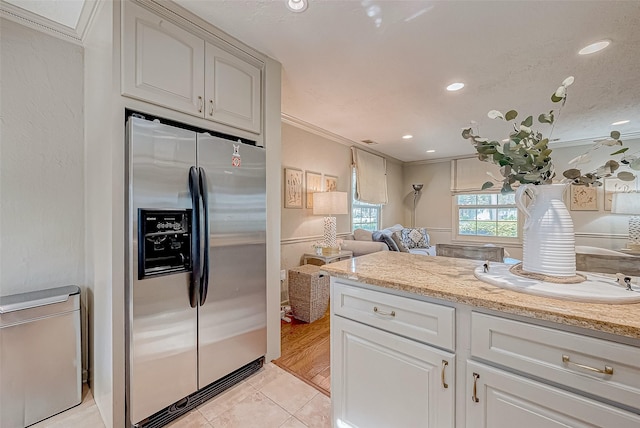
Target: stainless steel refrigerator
{"points": [[196, 261]]}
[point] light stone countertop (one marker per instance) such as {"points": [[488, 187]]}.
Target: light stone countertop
{"points": [[452, 279]]}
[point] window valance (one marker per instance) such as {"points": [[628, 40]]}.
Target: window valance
{"points": [[371, 177], [468, 175]]}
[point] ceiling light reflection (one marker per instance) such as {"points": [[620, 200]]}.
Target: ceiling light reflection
{"points": [[455, 86], [594, 47], [297, 5], [621, 122], [407, 137]]}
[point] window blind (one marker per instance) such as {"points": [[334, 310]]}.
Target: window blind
{"points": [[468, 175], [371, 177]]}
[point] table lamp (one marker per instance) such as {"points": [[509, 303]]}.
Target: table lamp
{"points": [[629, 204], [330, 204]]}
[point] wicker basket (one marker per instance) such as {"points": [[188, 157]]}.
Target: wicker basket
{"points": [[308, 292]]}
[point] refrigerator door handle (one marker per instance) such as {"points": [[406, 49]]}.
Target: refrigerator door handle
{"points": [[194, 189], [204, 279]]}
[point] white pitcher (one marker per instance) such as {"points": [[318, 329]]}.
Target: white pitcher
{"points": [[548, 245]]}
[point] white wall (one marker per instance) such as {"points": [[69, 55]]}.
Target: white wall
{"points": [[309, 151], [42, 164], [42, 228]]}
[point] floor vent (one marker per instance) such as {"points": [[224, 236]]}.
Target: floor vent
{"points": [[179, 408]]}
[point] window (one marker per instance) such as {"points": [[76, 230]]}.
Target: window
{"points": [[486, 215], [363, 215]]}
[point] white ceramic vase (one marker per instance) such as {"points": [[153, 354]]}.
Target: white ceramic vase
{"points": [[548, 245]]}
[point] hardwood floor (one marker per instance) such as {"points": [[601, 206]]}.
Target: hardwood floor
{"points": [[306, 352]]}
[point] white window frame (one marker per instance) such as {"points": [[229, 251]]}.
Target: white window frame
{"points": [[357, 204], [455, 214]]}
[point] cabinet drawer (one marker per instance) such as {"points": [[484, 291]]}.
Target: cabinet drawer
{"points": [[593, 366], [426, 322]]}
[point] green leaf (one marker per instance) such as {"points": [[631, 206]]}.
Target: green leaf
{"points": [[542, 144], [527, 122], [612, 165], [626, 176], [511, 114], [556, 99], [615, 135], [572, 173], [487, 185], [620, 151]]}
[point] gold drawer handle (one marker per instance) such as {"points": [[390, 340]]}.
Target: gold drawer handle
{"points": [[386, 314], [607, 370], [474, 397], [444, 366]]}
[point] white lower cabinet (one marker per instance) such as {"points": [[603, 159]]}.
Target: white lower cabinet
{"points": [[381, 379], [498, 399], [390, 367]]}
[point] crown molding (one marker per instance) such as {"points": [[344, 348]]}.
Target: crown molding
{"points": [[588, 141], [316, 130], [45, 25]]}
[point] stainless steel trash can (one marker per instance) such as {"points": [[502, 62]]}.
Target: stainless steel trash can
{"points": [[40, 361]]}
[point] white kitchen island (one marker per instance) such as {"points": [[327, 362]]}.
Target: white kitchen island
{"points": [[420, 342]]}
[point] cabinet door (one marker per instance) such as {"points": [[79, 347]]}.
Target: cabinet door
{"points": [[382, 380], [232, 90], [162, 63], [505, 400]]}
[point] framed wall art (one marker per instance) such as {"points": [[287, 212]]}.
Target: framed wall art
{"points": [[292, 188], [583, 198], [614, 185], [313, 182], [330, 183]]}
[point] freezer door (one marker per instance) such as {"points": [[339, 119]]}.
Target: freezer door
{"points": [[232, 320], [162, 325]]}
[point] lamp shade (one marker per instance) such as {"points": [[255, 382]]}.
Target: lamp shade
{"points": [[330, 203], [626, 203]]}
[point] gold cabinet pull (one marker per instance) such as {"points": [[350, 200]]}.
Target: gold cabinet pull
{"points": [[607, 370], [444, 366], [474, 397], [211, 107], [386, 314], [199, 104]]}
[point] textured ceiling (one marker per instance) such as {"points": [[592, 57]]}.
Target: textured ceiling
{"points": [[378, 69]]}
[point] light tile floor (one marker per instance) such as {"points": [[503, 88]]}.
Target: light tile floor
{"points": [[271, 398]]}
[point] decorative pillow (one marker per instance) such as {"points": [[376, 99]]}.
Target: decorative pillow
{"points": [[415, 238], [397, 239], [387, 239], [362, 235]]}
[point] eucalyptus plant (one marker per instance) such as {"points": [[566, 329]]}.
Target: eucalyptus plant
{"points": [[526, 156]]}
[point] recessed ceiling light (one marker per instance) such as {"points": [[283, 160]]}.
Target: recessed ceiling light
{"points": [[407, 137], [594, 47], [455, 86], [297, 5], [621, 122], [430, 151]]}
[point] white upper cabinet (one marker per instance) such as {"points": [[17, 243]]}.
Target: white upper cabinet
{"points": [[162, 63], [232, 89], [167, 65]]}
